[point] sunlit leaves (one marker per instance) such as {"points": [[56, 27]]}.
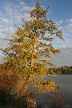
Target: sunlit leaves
{"points": [[45, 86]]}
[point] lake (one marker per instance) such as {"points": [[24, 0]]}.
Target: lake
{"points": [[65, 86]]}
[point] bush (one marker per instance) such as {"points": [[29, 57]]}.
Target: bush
{"points": [[57, 100]]}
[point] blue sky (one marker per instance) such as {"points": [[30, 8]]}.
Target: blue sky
{"points": [[11, 12]]}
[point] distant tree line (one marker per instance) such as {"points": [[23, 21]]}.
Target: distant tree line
{"points": [[60, 70]]}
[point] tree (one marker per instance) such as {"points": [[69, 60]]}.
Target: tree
{"points": [[30, 48]]}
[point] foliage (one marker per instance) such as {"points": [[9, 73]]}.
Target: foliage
{"points": [[8, 101], [58, 100], [30, 48], [60, 70], [8, 79]]}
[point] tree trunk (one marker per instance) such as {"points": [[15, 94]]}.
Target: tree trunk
{"points": [[33, 53], [23, 90]]}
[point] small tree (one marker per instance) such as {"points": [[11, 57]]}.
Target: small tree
{"points": [[30, 48]]}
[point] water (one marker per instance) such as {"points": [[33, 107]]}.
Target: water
{"points": [[63, 81], [65, 86]]}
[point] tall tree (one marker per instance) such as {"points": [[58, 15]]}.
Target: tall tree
{"points": [[30, 49]]}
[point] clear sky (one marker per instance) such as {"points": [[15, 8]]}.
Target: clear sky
{"points": [[11, 12]]}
